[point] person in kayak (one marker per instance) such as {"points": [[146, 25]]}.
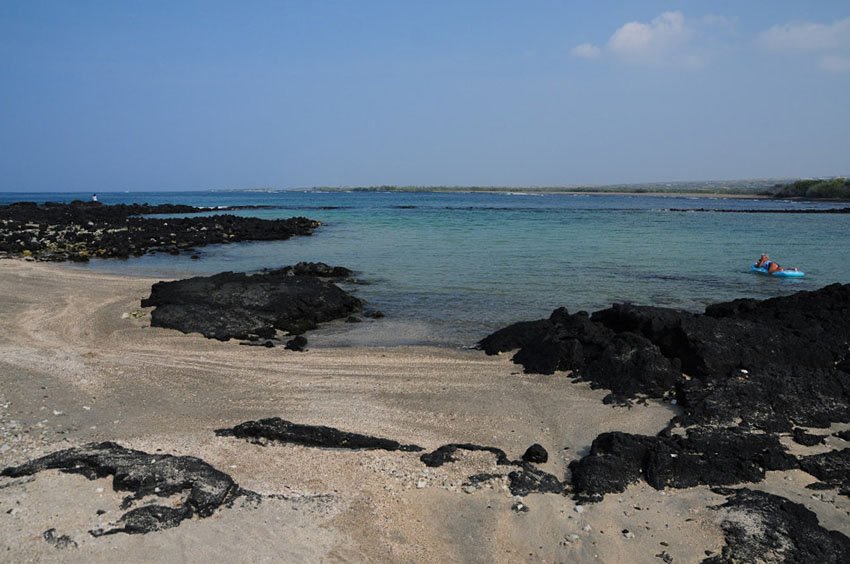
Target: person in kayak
{"points": [[771, 266]]}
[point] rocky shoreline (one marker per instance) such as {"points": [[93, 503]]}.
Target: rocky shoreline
{"points": [[780, 211], [747, 379], [745, 373], [254, 307], [78, 231]]}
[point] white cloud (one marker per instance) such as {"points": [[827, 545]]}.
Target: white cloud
{"points": [[804, 37], [830, 42], [642, 40], [666, 41], [834, 63], [586, 51]]}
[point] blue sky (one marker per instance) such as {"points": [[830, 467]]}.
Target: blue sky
{"points": [[192, 95]]}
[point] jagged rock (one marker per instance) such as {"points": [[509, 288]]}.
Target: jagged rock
{"points": [[801, 437], [82, 230], [527, 479], [761, 527], [299, 343], [844, 435], [533, 480], [277, 429], [773, 399], [536, 454], [317, 269], [237, 305], [445, 454], [775, 363], [704, 456], [143, 475], [832, 468], [626, 363]]}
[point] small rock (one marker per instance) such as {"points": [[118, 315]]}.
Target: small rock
{"points": [[299, 343], [536, 454], [628, 534], [421, 483], [579, 509], [587, 528], [520, 507]]}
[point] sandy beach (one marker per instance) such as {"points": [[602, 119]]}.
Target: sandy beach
{"points": [[79, 363]]}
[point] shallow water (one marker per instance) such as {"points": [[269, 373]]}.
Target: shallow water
{"points": [[447, 268]]}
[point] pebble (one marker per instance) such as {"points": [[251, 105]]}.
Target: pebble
{"points": [[628, 534], [421, 483], [587, 528], [579, 509]]}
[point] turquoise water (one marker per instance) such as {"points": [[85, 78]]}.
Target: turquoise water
{"points": [[447, 269]]}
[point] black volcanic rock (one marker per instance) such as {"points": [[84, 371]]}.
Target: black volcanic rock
{"points": [[144, 475], [775, 363], [843, 435], [626, 363], [82, 230], [299, 343], [445, 454], [772, 399], [762, 527], [280, 430], [801, 437], [521, 482], [237, 305], [536, 454], [832, 468], [533, 480], [704, 456]]}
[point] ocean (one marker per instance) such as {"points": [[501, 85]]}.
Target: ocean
{"points": [[447, 269]]}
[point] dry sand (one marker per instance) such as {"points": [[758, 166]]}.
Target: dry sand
{"points": [[76, 368]]}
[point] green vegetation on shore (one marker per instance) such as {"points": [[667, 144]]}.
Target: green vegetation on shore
{"points": [[821, 188], [757, 187], [830, 188]]}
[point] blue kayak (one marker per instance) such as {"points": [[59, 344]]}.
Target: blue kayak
{"points": [[779, 273]]}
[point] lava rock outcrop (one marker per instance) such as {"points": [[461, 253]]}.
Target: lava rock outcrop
{"points": [[704, 456], [82, 230], [743, 372], [242, 306], [280, 430], [762, 527], [205, 488], [775, 363], [527, 479]]}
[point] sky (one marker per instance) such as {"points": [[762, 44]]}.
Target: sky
{"points": [[150, 95]]}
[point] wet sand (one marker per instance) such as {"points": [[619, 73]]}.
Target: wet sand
{"points": [[79, 363]]}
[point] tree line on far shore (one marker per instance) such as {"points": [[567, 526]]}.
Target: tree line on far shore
{"points": [[830, 188]]}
